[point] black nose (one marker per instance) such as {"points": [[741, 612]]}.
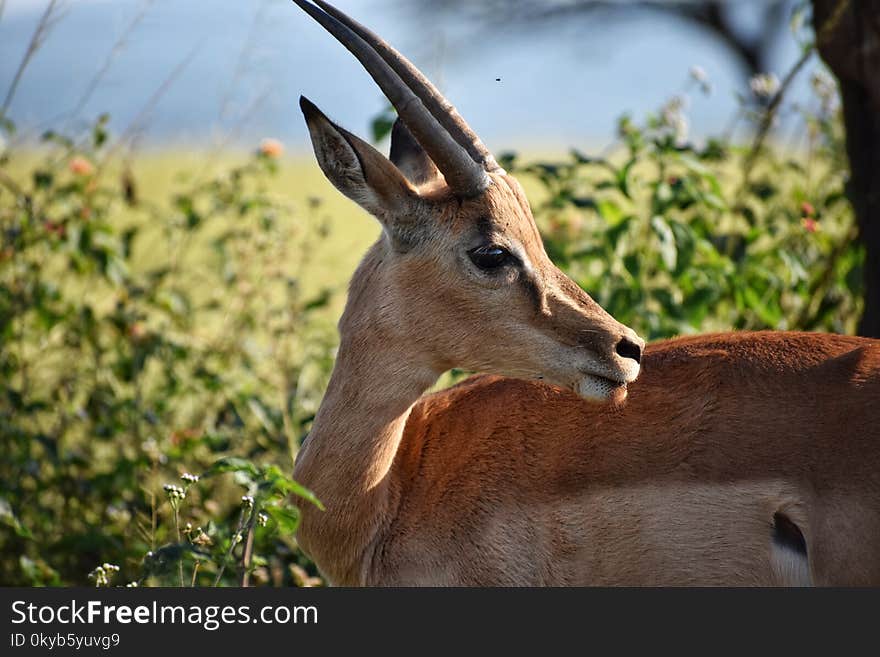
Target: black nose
{"points": [[629, 349]]}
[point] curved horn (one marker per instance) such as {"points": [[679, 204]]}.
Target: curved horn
{"points": [[437, 104], [463, 174]]}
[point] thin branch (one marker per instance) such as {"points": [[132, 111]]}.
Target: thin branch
{"points": [[236, 537], [774, 15], [246, 558], [139, 124], [251, 40], [177, 532], [821, 283], [711, 16], [770, 114], [233, 133], [11, 185], [45, 24], [114, 51], [714, 17], [824, 33]]}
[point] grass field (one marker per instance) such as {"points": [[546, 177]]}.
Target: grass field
{"points": [[300, 182], [162, 173]]}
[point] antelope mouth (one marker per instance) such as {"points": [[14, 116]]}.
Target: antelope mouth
{"points": [[601, 388]]}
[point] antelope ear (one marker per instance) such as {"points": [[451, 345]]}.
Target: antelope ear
{"points": [[358, 170], [409, 157]]}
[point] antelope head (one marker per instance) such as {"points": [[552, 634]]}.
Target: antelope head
{"points": [[460, 274]]}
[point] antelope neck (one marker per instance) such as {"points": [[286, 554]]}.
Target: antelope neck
{"points": [[360, 422]]}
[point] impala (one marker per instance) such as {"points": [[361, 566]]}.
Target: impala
{"points": [[736, 459]]}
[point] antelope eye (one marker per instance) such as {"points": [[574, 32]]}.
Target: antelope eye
{"points": [[490, 257]]}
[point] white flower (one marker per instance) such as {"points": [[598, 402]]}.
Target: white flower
{"points": [[118, 514], [189, 478], [247, 501], [174, 493], [825, 89], [201, 538], [698, 73], [103, 573], [672, 117], [764, 85], [823, 84]]}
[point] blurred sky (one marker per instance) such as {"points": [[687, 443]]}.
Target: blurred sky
{"points": [[251, 59]]}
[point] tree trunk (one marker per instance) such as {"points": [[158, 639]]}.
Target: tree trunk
{"points": [[848, 37], [863, 148]]}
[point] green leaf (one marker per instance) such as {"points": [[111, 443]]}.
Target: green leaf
{"points": [[261, 413], [8, 518], [715, 201], [698, 305], [770, 315], [685, 244], [43, 179], [663, 194], [319, 301], [186, 205], [706, 174], [287, 518], [795, 267], [668, 250], [615, 232], [38, 572], [289, 486], [99, 132], [584, 202], [633, 264], [382, 123], [623, 177], [7, 125], [232, 464], [175, 302], [610, 211]]}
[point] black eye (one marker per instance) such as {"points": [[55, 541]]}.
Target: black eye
{"points": [[490, 256]]}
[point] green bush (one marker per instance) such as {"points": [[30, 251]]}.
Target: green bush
{"points": [[141, 341], [671, 238]]}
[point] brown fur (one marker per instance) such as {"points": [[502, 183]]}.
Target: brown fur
{"points": [[502, 481], [510, 482], [724, 445]]}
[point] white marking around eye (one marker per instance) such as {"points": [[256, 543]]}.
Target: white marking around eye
{"points": [[517, 249]]}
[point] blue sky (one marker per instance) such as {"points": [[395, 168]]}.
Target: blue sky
{"points": [[251, 59]]}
